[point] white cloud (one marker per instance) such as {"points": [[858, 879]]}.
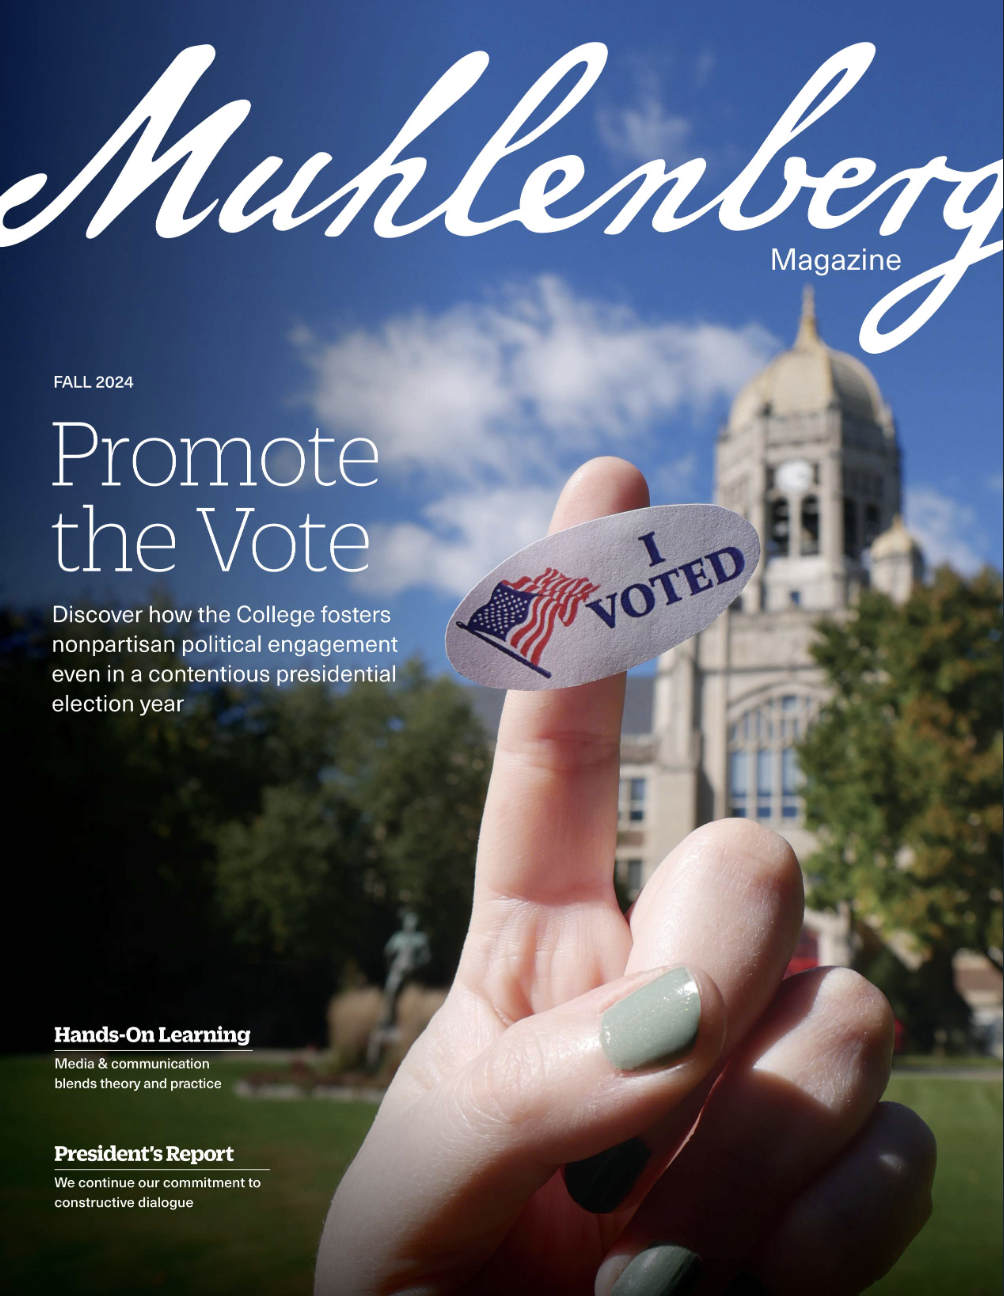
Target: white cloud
{"points": [[673, 483], [526, 378], [704, 66], [464, 534], [484, 408], [458, 538], [944, 527], [644, 130]]}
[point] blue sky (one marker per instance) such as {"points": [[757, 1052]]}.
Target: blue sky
{"points": [[484, 368]]}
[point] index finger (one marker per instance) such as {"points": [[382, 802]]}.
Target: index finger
{"points": [[549, 832]]}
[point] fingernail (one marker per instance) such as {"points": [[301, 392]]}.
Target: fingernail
{"points": [[600, 1183], [655, 1025], [660, 1270]]}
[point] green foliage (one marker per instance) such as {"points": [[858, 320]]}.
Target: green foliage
{"points": [[418, 766], [379, 807], [903, 768], [285, 879], [261, 841]]}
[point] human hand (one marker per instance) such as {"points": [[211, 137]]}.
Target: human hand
{"points": [[535, 1138]]}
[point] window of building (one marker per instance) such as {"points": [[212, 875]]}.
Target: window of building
{"points": [[632, 801], [633, 876], [810, 527], [737, 782], [789, 783], [764, 778], [777, 537], [764, 781], [851, 549], [795, 598]]}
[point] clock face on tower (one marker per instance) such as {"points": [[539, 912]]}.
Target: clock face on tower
{"points": [[794, 475]]}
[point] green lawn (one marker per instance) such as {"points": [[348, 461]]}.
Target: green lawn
{"points": [[240, 1242], [959, 1253], [928, 1062], [261, 1241]]}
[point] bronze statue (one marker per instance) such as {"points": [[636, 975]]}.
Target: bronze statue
{"points": [[405, 952]]}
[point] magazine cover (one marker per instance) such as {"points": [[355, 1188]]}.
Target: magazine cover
{"points": [[501, 648]]}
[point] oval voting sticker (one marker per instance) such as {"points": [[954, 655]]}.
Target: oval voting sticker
{"points": [[601, 597]]}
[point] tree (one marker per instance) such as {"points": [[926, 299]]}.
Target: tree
{"points": [[903, 774], [384, 812], [258, 840], [114, 863]]}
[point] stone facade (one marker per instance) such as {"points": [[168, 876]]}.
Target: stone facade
{"points": [[810, 456]]}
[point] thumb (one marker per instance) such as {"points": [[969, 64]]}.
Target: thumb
{"points": [[456, 1168]]}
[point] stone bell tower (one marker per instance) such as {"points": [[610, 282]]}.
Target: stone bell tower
{"points": [[809, 455]]}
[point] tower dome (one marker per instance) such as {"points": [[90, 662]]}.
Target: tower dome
{"points": [[897, 542], [808, 378], [810, 456], [897, 562]]}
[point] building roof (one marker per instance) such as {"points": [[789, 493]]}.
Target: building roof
{"points": [[808, 378], [895, 542]]}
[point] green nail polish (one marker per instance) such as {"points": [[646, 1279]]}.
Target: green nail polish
{"points": [[655, 1025], [600, 1183], [660, 1270]]}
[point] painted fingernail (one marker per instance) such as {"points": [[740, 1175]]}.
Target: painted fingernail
{"points": [[600, 1183], [655, 1025], [660, 1270]]}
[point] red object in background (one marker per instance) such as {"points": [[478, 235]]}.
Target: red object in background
{"points": [[806, 956], [806, 953]]}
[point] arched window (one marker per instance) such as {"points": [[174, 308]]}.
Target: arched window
{"points": [[779, 531], [851, 548], [764, 778], [810, 527]]}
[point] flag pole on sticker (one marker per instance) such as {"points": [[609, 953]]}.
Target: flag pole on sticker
{"points": [[522, 614]]}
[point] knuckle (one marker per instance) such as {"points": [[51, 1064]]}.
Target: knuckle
{"points": [[912, 1140], [855, 1241], [564, 751], [759, 859], [860, 1015], [507, 1085], [841, 1259], [908, 1127]]}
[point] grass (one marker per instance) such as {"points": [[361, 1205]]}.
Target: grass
{"points": [[230, 1242], [929, 1062], [262, 1240], [959, 1253]]}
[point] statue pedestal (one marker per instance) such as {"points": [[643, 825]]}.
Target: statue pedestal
{"points": [[380, 1037]]}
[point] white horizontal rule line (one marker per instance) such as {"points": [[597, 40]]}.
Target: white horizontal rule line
{"points": [[194, 1049]]}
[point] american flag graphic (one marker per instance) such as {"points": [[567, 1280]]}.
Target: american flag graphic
{"points": [[520, 616]]}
